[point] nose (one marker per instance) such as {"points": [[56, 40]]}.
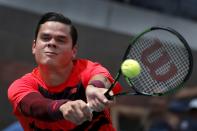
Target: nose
{"points": [[51, 45]]}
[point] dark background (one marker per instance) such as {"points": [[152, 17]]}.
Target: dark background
{"points": [[16, 35]]}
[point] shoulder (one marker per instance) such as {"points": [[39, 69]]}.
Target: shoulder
{"points": [[20, 88], [24, 83], [27, 76], [87, 63], [90, 67], [83, 62]]}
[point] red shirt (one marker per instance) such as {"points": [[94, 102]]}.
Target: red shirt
{"points": [[81, 73]]}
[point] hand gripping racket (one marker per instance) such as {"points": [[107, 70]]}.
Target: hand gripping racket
{"points": [[166, 62]]}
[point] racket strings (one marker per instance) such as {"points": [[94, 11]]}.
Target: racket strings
{"points": [[177, 56]]}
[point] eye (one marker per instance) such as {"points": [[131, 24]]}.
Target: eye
{"points": [[45, 37], [61, 40]]}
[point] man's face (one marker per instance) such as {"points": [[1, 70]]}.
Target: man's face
{"points": [[53, 45]]}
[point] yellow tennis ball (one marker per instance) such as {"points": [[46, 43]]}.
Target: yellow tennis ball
{"points": [[130, 68]]}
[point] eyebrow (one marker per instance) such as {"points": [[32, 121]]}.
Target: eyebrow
{"points": [[48, 34], [62, 36]]}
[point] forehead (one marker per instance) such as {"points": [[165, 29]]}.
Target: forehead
{"points": [[54, 27]]}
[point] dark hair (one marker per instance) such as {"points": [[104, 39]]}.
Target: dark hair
{"points": [[52, 16]]}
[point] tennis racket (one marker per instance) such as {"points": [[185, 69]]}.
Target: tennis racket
{"points": [[166, 63]]}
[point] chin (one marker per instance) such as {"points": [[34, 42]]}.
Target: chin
{"points": [[47, 62]]}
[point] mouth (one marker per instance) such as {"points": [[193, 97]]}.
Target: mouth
{"points": [[50, 53]]}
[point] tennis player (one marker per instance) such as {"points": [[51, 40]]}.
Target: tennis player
{"points": [[55, 94]]}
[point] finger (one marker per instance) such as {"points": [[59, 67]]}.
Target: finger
{"points": [[83, 113], [75, 116], [109, 102], [89, 107], [80, 115], [106, 103], [72, 118], [111, 93], [102, 99], [88, 112], [97, 105], [68, 113]]}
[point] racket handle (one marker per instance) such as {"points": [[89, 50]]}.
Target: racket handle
{"points": [[109, 97]]}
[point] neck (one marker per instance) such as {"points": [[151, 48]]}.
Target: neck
{"points": [[54, 76]]}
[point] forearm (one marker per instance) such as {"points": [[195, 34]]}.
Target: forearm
{"points": [[102, 81], [36, 106], [99, 81]]}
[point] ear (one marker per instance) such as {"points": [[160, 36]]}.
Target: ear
{"points": [[75, 48], [33, 46]]}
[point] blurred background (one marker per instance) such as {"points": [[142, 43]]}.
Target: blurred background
{"points": [[104, 26]]}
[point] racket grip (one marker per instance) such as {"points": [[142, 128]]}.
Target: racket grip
{"points": [[109, 97]]}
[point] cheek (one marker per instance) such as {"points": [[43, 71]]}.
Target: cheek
{"points": [[38, 56], [38, 52], [39, 47], [67, 50], [67, 55]]}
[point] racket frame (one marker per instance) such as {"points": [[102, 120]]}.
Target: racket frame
{"points": [[132, 42]]}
